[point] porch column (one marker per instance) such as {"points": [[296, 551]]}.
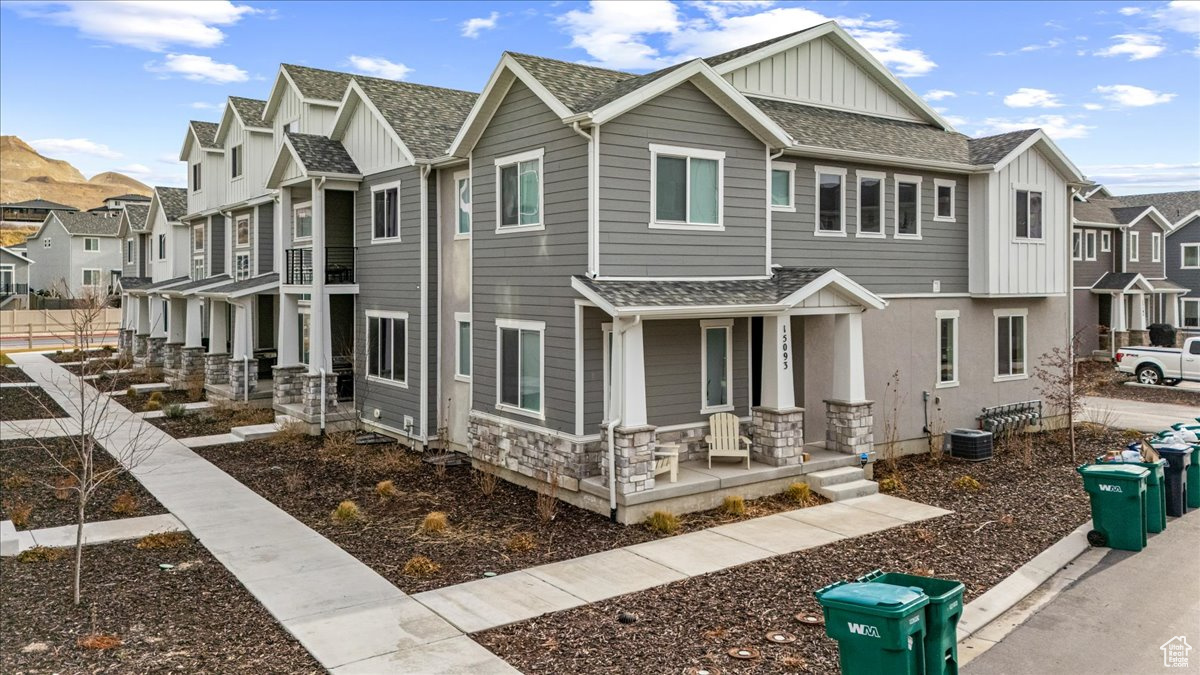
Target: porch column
{"points": [[288, 345], [319, 357], [634, 439], [633, 373], [1172, 303], [158, 318], [143, 315], [849, 422], [1138, 335], [194, 334], [177, 321], [218, 326], [777, 366], [243, 367], [241, 324], [283, 231], [777, 426]]}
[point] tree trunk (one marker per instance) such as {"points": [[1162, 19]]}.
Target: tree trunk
{"points": [[79, 545]]}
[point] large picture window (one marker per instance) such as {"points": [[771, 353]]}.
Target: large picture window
{"points": [[716, 354], [870, 204], [1027, 211], [1010, 344], [520, 382], [387, 335], [519, 178], [385, 212], [947, 330], [831, 200], [687, 187], [908, 207]]}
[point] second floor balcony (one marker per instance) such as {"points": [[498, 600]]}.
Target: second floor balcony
{"points": [[339, 265], [8, 288]]}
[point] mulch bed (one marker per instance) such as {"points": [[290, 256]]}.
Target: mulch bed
{"points": [[13, 374], [73, 355], [27, 403], [27, 474], [1016, 514], [195, 618], [309, 482], [165, 398], [211, 421], [1102, 379], [119, 383]]}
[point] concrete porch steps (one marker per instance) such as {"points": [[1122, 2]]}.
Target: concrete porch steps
{"points": [[846, 482], [255, 432]]}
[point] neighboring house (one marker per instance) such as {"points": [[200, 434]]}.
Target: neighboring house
{"points": [[76, 254], [14, 278], [115, 204], [1183, 247], [30, 213]]}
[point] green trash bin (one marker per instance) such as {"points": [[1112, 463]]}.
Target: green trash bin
{"points": [[1118, 496], [1156, 494], [879, 628], [941, 616], [1193, 479]]}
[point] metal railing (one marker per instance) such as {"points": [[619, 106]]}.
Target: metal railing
{"points": [[339, 265], [7, 289]]}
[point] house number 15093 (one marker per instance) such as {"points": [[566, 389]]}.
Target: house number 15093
{"points": [[783, 345]]}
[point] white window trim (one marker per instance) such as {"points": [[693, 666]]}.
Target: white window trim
{"points": [[1106, 241], [1156, 246], [203, 237], [384, 314], [501, 162], [953, 185], [790, 168], [997, 314], [460, 176], [833, 171], [203, 266], [161, 243], [296, 207], [882, 178], [1077, 236], [727, 324], [1012, 199], [91, 250], [249, 231], [197, 174], [897, 179], [1183, 256], [249, 263], [1134, 241], [84, 274], [459, 319], [129, 244], [689, 153], [519, 324], [1089, 251], [939, 316], [1183, 311], [240, 151], [380, 188]]}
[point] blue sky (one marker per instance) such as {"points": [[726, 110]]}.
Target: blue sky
{"points": [[110, 86]]}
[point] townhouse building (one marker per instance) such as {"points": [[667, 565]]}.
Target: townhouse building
{"points": [[1182, 209], [577, 266], [14, 278], [75, 254]]}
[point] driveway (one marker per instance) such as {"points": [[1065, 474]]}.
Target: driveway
{"points": [[1126, 414]]}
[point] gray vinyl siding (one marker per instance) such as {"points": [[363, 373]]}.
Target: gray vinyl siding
{"points": [[216, 245], [52, 266], [266, 238], [593, 368], [674, 390], [1088, 272], [389, 279], [1190, 279], [131, 267], [883, 265], [526, 275], [687, 118], [1087, 319], [1145, 228]]}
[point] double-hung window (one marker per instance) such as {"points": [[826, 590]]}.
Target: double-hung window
{"points": [[1135, 242], [1010, 344], [1089, 244], [831, 201], [197, 269], [1077, 245], [162, 247], [241, 231], [943, 200], [1190, 314], [908, 207], [129, 251], [1106, 242], [687, 187], [385, 212], [387, 337], [462, 207], [241, 266], [521, 380], [1156, 247], [519, 184], [1189, 256], [462, 346], [235, 161], [91, 244], [1027, 211], [302, 216], [947, 331], [783, 190], [716, 359], [196, 173], [91, 277], [870, 204], [198, 238]]}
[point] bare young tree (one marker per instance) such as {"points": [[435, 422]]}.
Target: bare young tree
{"points": [[1057, 373]]}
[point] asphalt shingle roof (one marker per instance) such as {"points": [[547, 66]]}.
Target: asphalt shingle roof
{"points": [[132, 197], [206, 133], [136, 213], [91, 224], [325, 85], [173, 201], [425, 118], [1115, 281], [1173, 205], [247, 284], [726, 292], [992, 149], [135, 283], [166, 283], [40, 204], [201, 283], [322, 154], [250, 110], [575, 84], [1097, 211]]}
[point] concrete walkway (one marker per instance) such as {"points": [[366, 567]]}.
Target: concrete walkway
{"points": [[1140, 415], [101, 531], [346, 615]]}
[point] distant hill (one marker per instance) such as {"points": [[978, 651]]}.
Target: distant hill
{"points": [[27, 174]]}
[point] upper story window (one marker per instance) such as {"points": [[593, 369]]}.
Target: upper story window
{"points": [[385, 212], [943, 200], [162, 247], [783, 186], [870, 204], [241, 231], [831, 197], [1089, 245], [462, 209], [1106, 242], [519, 187], [302, 221], [687, 187], [1156, 247], [235, 161], [520, 382], [91, 277], [1028, 214], [287, 126], [196, 185], [91, 244], [241, 266], [198, 238], [197, 268], [1189, 256], [1134, 244], [1077, 245], [908, 207], [129, 250]]}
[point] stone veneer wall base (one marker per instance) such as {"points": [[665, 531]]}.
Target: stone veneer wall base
{"points": [[778, 436], [849, 426]]}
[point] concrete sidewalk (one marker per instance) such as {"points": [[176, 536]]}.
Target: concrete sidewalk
{"points": [[1115, 618], [1140, 415]]}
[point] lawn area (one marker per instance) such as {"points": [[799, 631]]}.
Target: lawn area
{"points": [[1009, 514], [27, 403], [194, 618]]}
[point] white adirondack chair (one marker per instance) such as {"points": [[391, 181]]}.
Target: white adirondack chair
{"points": [[666, 460], [725, 440]]}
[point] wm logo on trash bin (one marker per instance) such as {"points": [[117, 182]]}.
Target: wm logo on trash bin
{"points": [[863, 629], [1105, 487]]}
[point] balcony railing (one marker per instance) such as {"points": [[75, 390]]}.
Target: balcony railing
{"points": [[7, 289], [339, 265]]}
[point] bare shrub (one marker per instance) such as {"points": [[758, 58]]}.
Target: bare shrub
{"points": [[42, 554], [435, 522], [339, 443], [162, 540], [290, 433], [294, 482], [734, 505], [125, 504], [386, 489], [19, 513], [64, 487], [347, 512], [195, 388], [663, 522], [419, 566], [893, 402], [487, 480], [521, 541], [547, 498], [17, 481], [800, 493], [1058, 379]]}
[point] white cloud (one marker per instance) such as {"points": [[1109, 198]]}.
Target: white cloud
{"points": [[1138, 178], [1137, 46], [198, 69], [1130, 96], [473, 27], [1026, 97], [73, 146], [1058, 127], [1050, 44], [135, 169], [939, 94], [377, 66], [144, 24], [1130, 11], [1180, 15], [614, 34], [204, 105], [1092, 106]]}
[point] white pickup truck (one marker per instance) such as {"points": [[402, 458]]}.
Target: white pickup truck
{"points": [[1162, 365]]}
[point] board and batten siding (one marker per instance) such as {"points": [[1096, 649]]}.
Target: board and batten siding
{"points": [[819, 72], [683, 117], [1146, 228], [1190, 279], [257, 158], [370, 143], [882, 264], [527, 275], [389, 279], [1001, 264], [306, 118]]}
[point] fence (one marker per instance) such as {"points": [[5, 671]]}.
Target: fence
{"points": [[52, 328]]}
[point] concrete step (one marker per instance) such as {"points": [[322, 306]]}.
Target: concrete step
{"points": [[845, 474], [255, 432], [855, 488]]}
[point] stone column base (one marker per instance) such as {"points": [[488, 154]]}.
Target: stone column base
{"points": [[216, 369], [311, 401], [172, 356], [191, 365], [243, 377], [849, 427], [125, 340], [288, 384], [634, 459], [778, 436], [155, 350], [1120, 339], [1139, 338], [1180, 338], [141, 342]]}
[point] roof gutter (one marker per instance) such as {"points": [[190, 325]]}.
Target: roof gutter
{"points": [[891, 160]]}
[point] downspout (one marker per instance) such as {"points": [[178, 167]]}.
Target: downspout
{"points": [[615, 389], [593, 183], [322, 371], [770, 253], [426, 169], [321, 305]]}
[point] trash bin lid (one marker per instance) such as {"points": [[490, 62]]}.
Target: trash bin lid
{"points": [[1114, 471], [875, 598]]}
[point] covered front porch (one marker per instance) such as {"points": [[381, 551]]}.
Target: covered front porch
{"points": [[242, 341], [1130, 303]]}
